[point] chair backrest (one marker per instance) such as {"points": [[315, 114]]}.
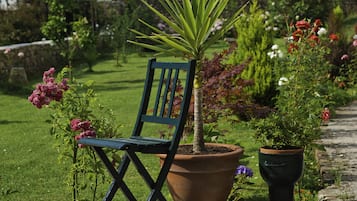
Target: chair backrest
{"points": [[166, 96]]}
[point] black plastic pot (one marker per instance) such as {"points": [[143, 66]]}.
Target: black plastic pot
{"points": [[281, 169]]}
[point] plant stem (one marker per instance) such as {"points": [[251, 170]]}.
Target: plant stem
{"points": [[74, 176]]}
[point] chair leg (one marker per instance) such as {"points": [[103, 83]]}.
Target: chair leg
{"points": [[156, 195], [117, 176], [155, 186]]}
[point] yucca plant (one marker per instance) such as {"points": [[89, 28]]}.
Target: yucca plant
{"points": [[193, 24]]}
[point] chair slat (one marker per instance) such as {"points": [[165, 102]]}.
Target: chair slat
{"points": [[166, 91], [173, 92], [159, 89], [160, 120]]}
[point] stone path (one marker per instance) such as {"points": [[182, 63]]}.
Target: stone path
{"points": [[338, 163]]}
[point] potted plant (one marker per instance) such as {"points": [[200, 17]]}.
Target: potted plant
{"points": [[193, 24], [295, 124]]}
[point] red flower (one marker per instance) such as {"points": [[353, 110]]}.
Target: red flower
{"points": [[317, 23], [302, 24], [292, 47], [314, 38], [325, 114], [333, 37], [297, 34]]}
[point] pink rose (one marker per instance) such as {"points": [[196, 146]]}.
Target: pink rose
{"points": [[354, 43], [7, 51], [75, 124], [345, 57]]}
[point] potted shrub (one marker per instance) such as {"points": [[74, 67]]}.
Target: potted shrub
{"points": [[193, 24], [295, 124]]}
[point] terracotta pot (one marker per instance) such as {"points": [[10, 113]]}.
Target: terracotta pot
{"points": [[207, 177], [280, 169]]}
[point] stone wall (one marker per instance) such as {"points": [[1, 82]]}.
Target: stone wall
{"points": [[34, 57]]}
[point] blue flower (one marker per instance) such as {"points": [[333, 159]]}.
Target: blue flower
{"points": [[243, 170]]}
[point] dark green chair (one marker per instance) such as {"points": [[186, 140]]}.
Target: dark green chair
{"points": [[165, 100]]}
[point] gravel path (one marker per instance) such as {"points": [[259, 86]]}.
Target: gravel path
{"points": [[338, 163]]}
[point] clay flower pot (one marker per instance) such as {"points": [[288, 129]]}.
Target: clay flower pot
{"points": [[207, 177]]}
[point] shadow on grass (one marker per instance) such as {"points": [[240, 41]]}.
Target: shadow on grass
{"points": [[126, 81], [119, 85], [22, 92], [256, 198], [12, 122], [103, 72]]}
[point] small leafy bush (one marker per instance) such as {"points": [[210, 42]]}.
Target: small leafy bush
{"points": [[224, 89], [76, 113]]}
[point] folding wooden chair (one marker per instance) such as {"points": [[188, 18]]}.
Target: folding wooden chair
{"points": [[170, 93]]}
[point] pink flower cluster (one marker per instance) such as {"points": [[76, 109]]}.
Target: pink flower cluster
{"points": [[48, 90], [85, 128]]}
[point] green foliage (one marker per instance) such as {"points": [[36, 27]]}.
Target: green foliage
{"points": [[311, 178], [71, 31], [121, 31], [83, 42], [22, 24], [254, 42], [335, 20], [56, 27]]}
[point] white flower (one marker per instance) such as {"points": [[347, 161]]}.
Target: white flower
{"points": [[271, 54], [275, 29], [20, 54], [280, 54], [283, 81], [268, 28], [322, 31], [355, 37], [277, 17], [275, 47], [290, 39], [273, 3], [317, 94]]}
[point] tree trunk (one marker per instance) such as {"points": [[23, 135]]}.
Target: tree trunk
{"points": [[198, 140]]}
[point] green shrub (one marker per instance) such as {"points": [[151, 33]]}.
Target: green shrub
{"points": [[22, 24], [254, 42]]}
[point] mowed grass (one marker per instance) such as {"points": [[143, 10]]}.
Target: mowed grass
{"points": [[29, 168]]}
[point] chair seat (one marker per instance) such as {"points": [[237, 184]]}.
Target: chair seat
{"points": [[134, 143]]}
